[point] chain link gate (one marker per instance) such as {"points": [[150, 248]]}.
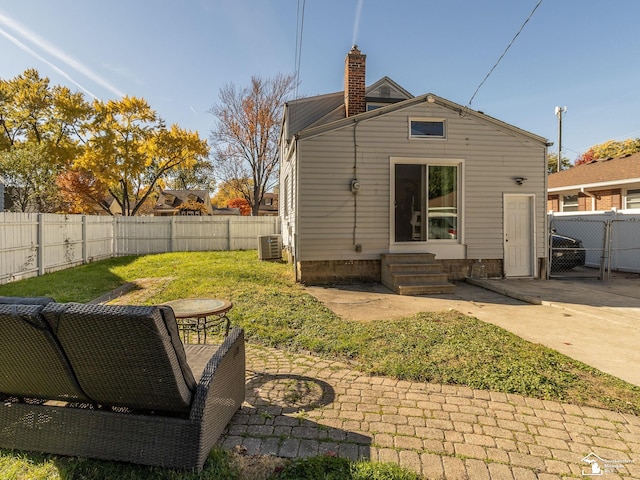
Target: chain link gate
{"points": [[578, 248]]}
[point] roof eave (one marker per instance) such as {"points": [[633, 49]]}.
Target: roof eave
{"points": [[610, 183], [427, 97], [484, 117], [313, 131]]}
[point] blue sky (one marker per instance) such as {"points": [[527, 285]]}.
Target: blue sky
{"points": [[581, 54]]}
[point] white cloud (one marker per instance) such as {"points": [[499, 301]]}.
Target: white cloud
{"points": [[27, 35]]}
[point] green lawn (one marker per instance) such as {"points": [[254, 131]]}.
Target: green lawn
{"points": [[440, 347]]}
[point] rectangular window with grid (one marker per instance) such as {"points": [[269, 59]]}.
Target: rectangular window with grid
{"points": [[633, 199], [570, 203]]}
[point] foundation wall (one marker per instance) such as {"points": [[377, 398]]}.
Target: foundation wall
{"points": [[329, 272], [460, 269]]}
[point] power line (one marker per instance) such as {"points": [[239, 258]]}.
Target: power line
{"points": [[505, 52], [299, 32]]}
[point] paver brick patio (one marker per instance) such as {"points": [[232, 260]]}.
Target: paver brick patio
{"points": [[300, 406]]}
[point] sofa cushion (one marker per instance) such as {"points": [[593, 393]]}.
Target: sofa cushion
{"points": [[198, 356], [26, 300], [171, 325], [32, 364], [124, 355]]}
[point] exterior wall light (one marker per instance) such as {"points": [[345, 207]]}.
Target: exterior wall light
{"points": [[519, 180]]}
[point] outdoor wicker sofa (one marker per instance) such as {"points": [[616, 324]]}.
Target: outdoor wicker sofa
{"points": [[113, 383]]}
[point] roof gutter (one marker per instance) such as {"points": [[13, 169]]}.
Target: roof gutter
{"points": [[611, 183]]}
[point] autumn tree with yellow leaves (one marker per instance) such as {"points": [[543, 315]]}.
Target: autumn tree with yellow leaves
{"points": [[611, 148], [225, 192], [129, 149], [59, 152], [39, 138]]}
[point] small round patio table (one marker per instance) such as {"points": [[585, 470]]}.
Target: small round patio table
{"points": [[200, 315]]}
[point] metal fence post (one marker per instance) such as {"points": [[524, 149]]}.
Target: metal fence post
{"points": [[548, 244], [605, 266]]}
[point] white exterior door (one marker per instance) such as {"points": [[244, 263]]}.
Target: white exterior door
{"points": [[518, 236]]}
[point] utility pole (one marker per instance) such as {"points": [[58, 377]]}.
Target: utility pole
{"points": [[559, 112]]}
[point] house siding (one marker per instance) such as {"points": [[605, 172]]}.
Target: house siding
{"points": [[491, 158], [288, 192]]}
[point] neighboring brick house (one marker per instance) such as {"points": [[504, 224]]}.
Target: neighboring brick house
{"points": [[599, 185]]}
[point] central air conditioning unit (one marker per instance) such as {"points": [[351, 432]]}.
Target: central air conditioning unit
{"points": [[270, 247]]}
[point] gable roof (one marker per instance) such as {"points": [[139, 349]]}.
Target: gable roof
{"points": [[319, 110], [183, 195], [305, 112], [385, 88], [178, 197], [598, 173], [427, 97]]}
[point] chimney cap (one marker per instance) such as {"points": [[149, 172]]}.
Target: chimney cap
{"points": [[354, 49]]}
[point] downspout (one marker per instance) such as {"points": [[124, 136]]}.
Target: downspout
{"points": [[591, 196], [354, 183], [547, 247], [295, 190]]}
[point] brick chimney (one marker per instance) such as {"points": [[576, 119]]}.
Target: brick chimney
{"points": [[354, 82]]}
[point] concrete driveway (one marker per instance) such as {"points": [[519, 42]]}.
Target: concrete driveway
{"points": [[597, 323]]}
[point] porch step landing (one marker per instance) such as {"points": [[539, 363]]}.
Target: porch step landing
{"points": [[414, 274]]}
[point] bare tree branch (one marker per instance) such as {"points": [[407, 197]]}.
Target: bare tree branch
{"points": [[245, 137]]}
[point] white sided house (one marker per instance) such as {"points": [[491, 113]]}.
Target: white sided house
{"points": [[379, 185]]}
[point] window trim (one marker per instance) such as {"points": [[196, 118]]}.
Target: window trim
{"points": [[460, 215], [375, 105], [577, 203], [286, 196], [636, 191], [443, 121]]}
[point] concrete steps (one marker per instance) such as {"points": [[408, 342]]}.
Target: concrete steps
{"points": [[414, 274]]}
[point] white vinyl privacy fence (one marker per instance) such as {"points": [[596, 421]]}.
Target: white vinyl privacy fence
{"points": [[34, 244]]}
